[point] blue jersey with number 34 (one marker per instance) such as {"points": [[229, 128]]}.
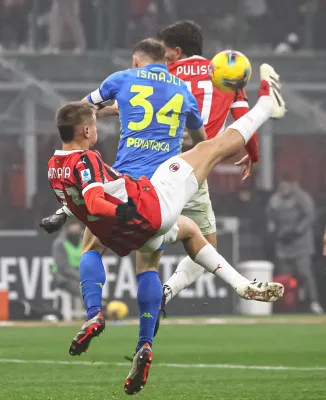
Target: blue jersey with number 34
{"points": [[155, 107]]}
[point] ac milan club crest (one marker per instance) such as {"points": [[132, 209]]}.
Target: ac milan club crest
{"points": [[174, 167]]}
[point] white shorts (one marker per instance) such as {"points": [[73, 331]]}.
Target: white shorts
{"points": [[158, 240], [200, 210], [175, 184]]}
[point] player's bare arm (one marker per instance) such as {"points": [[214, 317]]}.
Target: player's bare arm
{"points": [[105, 111], [197, 135]]}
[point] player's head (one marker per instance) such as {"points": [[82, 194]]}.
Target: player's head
{"points": [[181, 40], [148, 51], [76, 122]]}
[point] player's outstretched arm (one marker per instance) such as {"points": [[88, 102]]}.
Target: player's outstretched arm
{"points": [[105, 111], [107, 91]]}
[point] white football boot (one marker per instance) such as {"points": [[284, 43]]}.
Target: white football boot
{"points": [[268, 74], [260, 291]]}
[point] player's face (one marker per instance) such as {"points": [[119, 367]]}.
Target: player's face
{"points": [[172, 54], [91, 131]]}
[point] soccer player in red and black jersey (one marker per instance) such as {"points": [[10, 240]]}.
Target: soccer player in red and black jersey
{"points": [[183, 42], [127, 214]]}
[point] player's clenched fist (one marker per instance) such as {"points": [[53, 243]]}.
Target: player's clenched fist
{"points": [[126, 211]]}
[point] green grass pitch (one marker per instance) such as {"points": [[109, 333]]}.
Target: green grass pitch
{"points": [[29, 367]]}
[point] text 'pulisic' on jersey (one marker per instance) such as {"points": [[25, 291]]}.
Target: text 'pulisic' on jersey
{"points": [[192, 70]]}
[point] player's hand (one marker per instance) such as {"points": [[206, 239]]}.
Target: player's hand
{"points": [[115, 107], [126, 211], [54, 223], [246, 167]]}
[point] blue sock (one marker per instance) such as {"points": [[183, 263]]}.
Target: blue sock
{"points": [[92, 278], [149, 297]]}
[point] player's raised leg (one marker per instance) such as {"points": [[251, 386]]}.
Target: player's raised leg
{"points": [[92, 279], [270, 104]]}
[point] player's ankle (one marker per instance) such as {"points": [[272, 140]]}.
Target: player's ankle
{"points": [[167, 293], [264, 89], [239, 281], [265, 105]]}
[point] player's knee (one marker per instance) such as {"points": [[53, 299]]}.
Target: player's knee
{"points": [[91, 243], [147, 261], [93, 247], [190, 229]]}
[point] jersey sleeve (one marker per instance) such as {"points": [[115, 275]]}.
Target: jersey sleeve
{"points": [[239, 108], [194, 120], [240, 100], [108, 89], [89, 173]]}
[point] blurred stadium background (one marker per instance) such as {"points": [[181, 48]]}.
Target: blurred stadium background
{"points": [[52, 51]]}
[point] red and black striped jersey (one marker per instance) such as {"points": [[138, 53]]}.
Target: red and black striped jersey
{"points": [[92, 190]]}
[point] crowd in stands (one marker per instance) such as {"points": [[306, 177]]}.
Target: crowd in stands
{"points": [[51, 26]]}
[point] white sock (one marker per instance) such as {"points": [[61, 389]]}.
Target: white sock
{"points": [[187, 272], [257, 116], [211, 260]]}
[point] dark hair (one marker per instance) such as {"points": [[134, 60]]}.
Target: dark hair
{"points": [[151, 48], [184, 34], [70, 115]]}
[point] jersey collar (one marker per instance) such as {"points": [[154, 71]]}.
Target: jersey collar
{"points": [[66, 152], [161, 66], [191, 58], [182, 60]]}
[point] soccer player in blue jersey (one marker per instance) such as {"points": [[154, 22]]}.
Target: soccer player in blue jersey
{"points": [[154, 106]]}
